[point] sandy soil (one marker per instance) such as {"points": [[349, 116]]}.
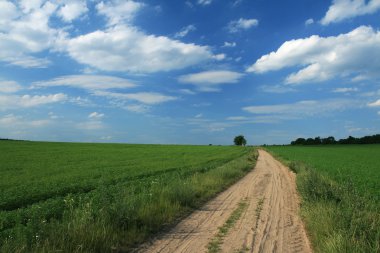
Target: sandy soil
{"points": [[270, 223]]}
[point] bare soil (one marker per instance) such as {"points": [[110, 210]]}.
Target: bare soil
{"points": [[270, 223]]}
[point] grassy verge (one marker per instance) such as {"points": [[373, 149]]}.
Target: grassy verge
{"points": [[216, 242], [338, 217], [119, 216]]}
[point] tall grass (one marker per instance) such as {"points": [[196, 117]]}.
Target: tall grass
{"points": [[339, 217], [118, 217]]}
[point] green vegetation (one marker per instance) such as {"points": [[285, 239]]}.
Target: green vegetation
{"points": [[240, 140], [340, 188], [216, 242], [74, 197]]}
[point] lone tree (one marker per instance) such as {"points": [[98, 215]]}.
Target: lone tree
{"points": [[240, 140]]}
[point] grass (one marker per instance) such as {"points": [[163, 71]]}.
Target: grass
{"points": [[340, 191], [105, 197], [216, 242]]}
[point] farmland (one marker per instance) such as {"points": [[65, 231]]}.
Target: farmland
{"points": [[340, 188], [105, 197]]}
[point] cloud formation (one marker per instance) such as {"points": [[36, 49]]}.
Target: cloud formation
{"points": [[26, 101], [241, 24], [9, 87], [345, 9], [150, 98], [184, 31], [118, 11], [353, 55], [125, 48], [210, 80], [88, 82], [301, 109]]}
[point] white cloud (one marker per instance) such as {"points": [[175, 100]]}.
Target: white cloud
{"points": [[184, 31], [237, 118], [12, 121], [301, 109], [219, 57], [345, 55], [137, 108], [96, 115], [89, 82], [90, 125], [345, 90], [210, 80], [276, 89], [26, 101], [229, 44], [242, 24], [8, 12], [72, 10], [124, 48], [150, 98], [309, 21], [199, 115], [345, 9], [9, 87], [204, 2], [26, 32], [374, 104], [378, 113], [119, 11], [187, 92]]}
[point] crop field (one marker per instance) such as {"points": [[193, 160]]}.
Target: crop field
{"points": [[340, 189], [105, 197], [358, 165]]}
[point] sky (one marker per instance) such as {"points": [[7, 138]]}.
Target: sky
{"points": [[189, 72]]}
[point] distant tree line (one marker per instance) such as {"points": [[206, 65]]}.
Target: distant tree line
{"points": [[373, 139]]}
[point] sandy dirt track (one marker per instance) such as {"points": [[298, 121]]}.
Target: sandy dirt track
{"points": [[270, 223]]}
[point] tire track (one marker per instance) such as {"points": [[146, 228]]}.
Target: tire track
{"points": [[277, 227]]}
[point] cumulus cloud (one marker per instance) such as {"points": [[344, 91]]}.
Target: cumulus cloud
{"points": [[345, 9], [322, 58], [26, 31], [242, 24], [374, 104], [9, 87], [210, 80], [27, 101], [125, 48], [119, 11], [184, 31], [72, 10], [88, 82]]}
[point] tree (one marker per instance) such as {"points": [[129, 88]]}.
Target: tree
{"points": [[240, 140]]}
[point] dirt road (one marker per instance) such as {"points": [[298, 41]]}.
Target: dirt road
{"points": [[269, 222]]}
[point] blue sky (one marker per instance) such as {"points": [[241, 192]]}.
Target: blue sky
{"points": [[189, 72]]}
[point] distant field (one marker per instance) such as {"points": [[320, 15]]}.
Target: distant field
{"points": [[340, 189], [356, 164], [104, 197]]}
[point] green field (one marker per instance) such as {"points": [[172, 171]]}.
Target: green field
{"points": [[340, 188], [105, 197], [358, 165]]}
